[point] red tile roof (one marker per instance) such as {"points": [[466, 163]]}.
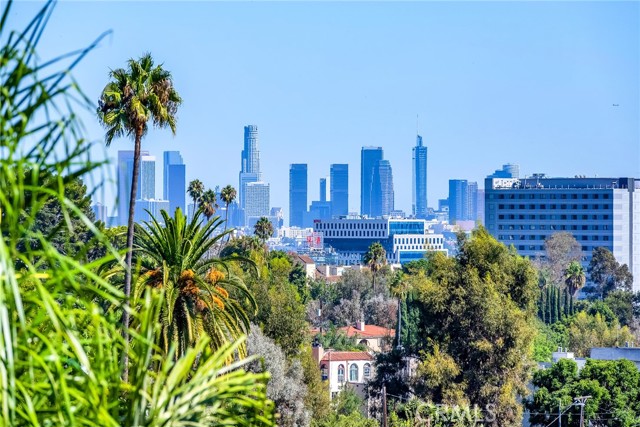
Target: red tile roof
{"points": [[370, 331], [346, 356], [305, 259]]}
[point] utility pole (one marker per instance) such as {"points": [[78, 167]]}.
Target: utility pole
{"points": [[384, 406], [580, 401]]}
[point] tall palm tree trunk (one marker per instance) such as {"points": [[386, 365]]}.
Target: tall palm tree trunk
{"points": [[128, 260], [226, 220], [373, 282]]}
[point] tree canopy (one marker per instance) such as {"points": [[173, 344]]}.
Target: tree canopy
{"points": [[474, 316]]}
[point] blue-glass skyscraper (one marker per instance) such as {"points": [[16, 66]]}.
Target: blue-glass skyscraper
{"points": [[369, 156], [174, 181], [339, 181], [250, 162], [297, 194], [419, 165], [382, 196], [323, 189]]}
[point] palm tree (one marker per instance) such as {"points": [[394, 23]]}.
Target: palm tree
{"points": [[263, 229], [62, 356], [375, 258], [141, 93], [209, 203], [227, 195], [195, 191], [574, 277], [198, 288]]}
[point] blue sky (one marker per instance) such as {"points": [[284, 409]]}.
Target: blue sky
{"points": [[532, 83]]}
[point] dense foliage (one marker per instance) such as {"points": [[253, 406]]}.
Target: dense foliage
{"points": [[473, 319], [61, 349], [614, 387]]}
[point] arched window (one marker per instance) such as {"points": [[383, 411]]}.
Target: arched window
{"points": [[353, 372], [367, 370], [341, 373], [324, 372]]}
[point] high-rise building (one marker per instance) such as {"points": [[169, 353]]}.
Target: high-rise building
{"points": [[472, 197], [480, 209], [369, 156], [250, 152], [599, 212], [147, 180], [174, 181], [256, 200], [249, 162], [125, 177], [245, 179], [382, 196], [463, 200], [508, 171], [297, 194], [419, 165], [323, 189], [339, 189]]}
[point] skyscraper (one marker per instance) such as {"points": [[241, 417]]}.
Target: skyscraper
{"points": [[250, 162], [174, 181], [147, 180], [472, 201], [368, 158], [250, 152], [339, 189], [323, 189], [125, 176], [419, 165], [458, 202], [256, 200], [382, 196], [463, 200], [297, 194]]}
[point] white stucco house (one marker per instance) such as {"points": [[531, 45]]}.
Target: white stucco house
{"points": [[344, 369]]}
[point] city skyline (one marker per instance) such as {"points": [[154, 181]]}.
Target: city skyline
{"points": [[545, 90]]}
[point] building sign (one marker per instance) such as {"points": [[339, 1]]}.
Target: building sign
{"points": [[315, 240]]}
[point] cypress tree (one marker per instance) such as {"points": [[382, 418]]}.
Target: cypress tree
{"points": [[552, 306], [549, 305]]}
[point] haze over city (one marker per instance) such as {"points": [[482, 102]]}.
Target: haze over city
{"points": [[536, 84]]}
